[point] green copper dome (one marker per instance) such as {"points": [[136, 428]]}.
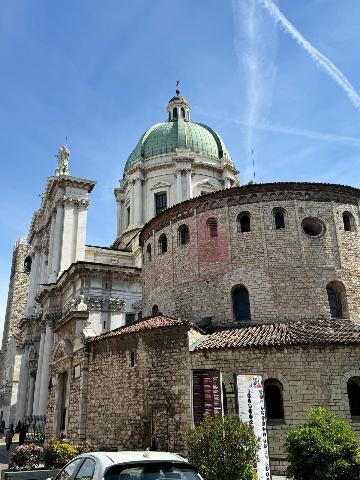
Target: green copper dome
{"points": [[178, 133]]}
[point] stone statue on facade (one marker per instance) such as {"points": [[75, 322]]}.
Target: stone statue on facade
{"points": [[63, 161]]}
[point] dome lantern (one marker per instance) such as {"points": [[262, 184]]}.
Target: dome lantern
{"points": [[178, 108]]}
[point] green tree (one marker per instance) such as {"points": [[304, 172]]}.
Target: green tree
{"points": [[323, 448], [223, 448]]}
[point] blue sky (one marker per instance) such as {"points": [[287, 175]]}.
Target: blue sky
{"points": [[100, 73]]}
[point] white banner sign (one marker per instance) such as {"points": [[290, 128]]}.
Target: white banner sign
{"points": [[250, 395]]}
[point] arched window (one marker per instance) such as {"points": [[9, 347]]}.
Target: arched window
{"points": [[27, 264], [243, 222], [183, 235], [336, 299], [162, 244], [241, 303], [279, 218], [353, 390], [348, 222], [155, 310], [212, 227], [183, 112], [175, 113], [273, 393], [148, 252]]}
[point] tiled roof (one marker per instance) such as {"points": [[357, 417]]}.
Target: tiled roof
{"points": [[315, 332], [152, 323]]}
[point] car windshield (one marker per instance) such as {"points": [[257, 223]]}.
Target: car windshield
{"points": [[151, 471]]}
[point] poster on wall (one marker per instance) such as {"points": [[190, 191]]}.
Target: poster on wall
{"points": [[250, 397], [207, 394]]}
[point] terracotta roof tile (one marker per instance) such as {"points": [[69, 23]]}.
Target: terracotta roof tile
{"points": [[315, 332], [152, 323]]}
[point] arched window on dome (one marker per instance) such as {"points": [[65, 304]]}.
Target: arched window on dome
{"points": [[336, 295], [353, 391], [27, 264], [348, 221], [243, 222], [273, 396], [148, 252], [162, 244], [212, 227], [182, 112], [175, 113], [279, 218], [155, 310], [183, 235], [241, 303]]}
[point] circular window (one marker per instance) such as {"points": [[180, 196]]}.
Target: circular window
{"points": [[313, 227]]}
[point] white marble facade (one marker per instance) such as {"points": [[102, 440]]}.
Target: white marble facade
{"points": [[99, 287]]}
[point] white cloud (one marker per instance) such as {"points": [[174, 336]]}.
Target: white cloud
{"points": [[319, 59]]}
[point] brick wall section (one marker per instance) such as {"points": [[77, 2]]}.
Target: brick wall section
{"points": [[301, 370], [285, 271]]}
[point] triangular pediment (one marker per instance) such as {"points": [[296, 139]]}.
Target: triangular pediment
{"points": [[206, 184]]}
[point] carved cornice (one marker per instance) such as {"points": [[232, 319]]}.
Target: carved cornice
{"points": [[249, 194]]}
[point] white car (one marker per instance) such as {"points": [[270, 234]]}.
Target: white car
{"points": [[128, 466]]}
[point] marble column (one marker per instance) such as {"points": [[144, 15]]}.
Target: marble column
{"points": [[68, 236], [30, 399], [43, 397], [138, 201], [179, 192], [120, 219], [132, 203], [38, 375], [188, 184], [51, 245], [56, 250], [34, 280], [227, 183], [23, 386]]}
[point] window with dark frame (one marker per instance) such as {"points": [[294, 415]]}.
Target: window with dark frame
{"points": [[241, 303], [353, 391], [27, 264], [348, 222], [279, 219], [160, 202], [155, 310], [183, 235], [148, 252], [244, 224], [212, 227], [335, 303], [128, 216], [132, 359], [162, 244], [129, 318], [273, 399]]}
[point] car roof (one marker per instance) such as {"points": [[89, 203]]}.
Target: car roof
{"points": [[136, 456]]}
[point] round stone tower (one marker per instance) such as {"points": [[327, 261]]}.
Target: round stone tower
{"points": [[172, 162]]}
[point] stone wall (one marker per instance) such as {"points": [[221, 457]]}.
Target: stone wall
{"points": [[284, 270], [115, 404], [310, 376]]}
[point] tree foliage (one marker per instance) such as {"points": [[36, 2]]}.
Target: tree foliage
{"points": [[223, 448], [323, 448]]}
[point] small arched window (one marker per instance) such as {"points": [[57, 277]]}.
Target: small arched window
{"points": [[155, 310], [353, 390], [27, 264], [148, 252], [212, 227], [183, 235], [336, 299], [241, 303], [175, 113], [348, 222], [273, 395], [162, 244], [279, 218], [182, 112], [243, 222]]}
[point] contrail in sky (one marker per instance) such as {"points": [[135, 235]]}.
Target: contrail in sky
{"points": [[320, 60]]}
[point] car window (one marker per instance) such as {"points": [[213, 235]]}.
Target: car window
{"points": [[69, 470], [151, 471], [87, 470]]}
